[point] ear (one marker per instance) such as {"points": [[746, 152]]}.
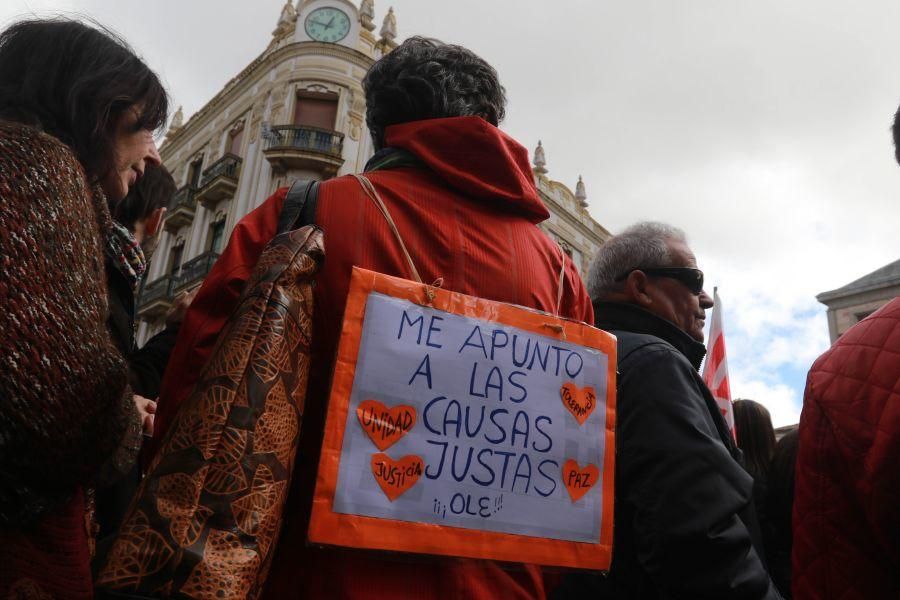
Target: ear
{"points": [[154, 222], [636, 289]]}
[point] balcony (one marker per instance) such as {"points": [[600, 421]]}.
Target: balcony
{"points": [[155, 298], [219, 181], [301, 147], [192, 272], [181, 209]]}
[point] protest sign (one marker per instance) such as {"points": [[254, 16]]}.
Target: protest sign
{"points": [[465, 427]]}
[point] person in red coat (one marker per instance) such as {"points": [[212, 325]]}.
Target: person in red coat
{"points": [[463, 197], [846, 518]]}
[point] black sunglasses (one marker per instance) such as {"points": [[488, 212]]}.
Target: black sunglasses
{"points": [[690, 277]]}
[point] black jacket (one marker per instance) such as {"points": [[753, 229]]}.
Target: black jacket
{"points": [[145, 370], [145, 365], [684, 524]]}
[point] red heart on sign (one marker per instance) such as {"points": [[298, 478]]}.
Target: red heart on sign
{"points": [[581, 403], [384, 425], [396, 476], [577, 480]]}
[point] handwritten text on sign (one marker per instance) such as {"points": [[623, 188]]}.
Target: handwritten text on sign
{"points": [[467, 423]]}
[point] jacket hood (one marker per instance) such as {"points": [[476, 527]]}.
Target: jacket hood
{"points": [[611, 316], [476, 159]]}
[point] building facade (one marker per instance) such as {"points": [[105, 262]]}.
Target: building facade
{"points": [[296, 112], [850, 304]]}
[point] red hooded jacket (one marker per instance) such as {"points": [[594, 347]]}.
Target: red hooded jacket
{"points": [[468, 214], [847, 492]]}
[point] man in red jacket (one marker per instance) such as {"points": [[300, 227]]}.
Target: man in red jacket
{"points": [[846, 518], [463, 197]]}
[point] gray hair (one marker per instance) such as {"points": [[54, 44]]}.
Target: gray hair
{"points": [[644, 244]]}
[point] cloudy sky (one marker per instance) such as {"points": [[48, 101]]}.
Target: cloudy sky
{"points": [[761, 128]]}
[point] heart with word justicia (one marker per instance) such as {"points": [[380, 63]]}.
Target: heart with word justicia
{"points": [[396, 476]]}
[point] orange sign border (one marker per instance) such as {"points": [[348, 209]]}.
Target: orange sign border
{"points": [[356, 531]]}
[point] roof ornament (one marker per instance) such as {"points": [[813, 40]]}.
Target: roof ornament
{"points": [[177, 122], [367, 14], [286, 21], [388, 33], [540, 161], [580, 193]]}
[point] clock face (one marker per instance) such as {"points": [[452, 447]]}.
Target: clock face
{"points": [[327, 24]]}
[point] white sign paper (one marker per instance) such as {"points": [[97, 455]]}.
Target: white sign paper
{"points": [[491, 426]]}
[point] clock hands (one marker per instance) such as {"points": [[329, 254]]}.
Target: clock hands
{"points": [[325, 25]]}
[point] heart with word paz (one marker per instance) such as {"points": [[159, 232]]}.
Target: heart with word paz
{"points": [[579, 481], [580, 402], [385, 426], [396, 476]]}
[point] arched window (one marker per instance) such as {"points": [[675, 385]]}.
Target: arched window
{"points": [[316, 109]]}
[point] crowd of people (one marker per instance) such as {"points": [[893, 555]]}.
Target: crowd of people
{"points": [[699, 512]]}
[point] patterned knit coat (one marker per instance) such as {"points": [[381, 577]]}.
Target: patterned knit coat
{"points": [[67, 418]]}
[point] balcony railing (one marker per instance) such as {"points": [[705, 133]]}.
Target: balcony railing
{"points": [[219, 181], [183, 198], [193, 271], [228, 166], [303, 147], [155, 297], [181, 208]]}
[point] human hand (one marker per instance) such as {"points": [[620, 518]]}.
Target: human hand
{"points": [[147, 409], [179, 307]]}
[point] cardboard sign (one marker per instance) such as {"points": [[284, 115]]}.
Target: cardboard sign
{"points": [[465, 427]]}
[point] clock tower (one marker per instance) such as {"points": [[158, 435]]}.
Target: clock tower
{"points": [[330, 21], [297, 111]]}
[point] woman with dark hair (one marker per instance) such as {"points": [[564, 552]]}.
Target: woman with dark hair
{"points": [[77, 113], [779, 506], [756, 439], [755, 436]]}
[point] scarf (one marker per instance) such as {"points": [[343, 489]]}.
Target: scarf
{"points": [[125, 253]]}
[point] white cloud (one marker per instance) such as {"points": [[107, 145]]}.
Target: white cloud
{"points": [[760, 128], [784, 402], [771, 345]]}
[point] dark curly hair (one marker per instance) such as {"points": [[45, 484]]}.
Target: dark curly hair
{"points": [[74, 81], [427, 79]]}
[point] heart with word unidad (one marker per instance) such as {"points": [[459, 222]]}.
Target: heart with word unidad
{"points": [[579, 481], [580, 402], [385, 426], [396, 476]]}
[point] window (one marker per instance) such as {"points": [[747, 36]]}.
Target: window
{"points": [[217, 235], [175, 258], [316, 110], [196, 170], [235, 138]]}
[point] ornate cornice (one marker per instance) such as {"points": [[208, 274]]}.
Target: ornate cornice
{"points": [[597, 233], [265, 61]]}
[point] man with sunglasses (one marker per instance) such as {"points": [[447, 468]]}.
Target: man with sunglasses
{"points": [[685, 525]]}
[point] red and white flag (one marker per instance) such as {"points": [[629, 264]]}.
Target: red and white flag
{"points": [[715, 369]]}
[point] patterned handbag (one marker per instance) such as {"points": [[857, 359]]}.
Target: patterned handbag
{"points": [[207, 516]]}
